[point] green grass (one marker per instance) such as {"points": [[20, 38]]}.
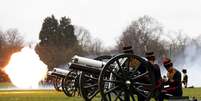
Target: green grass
{"points": [[52, 95], [192, 92], [35, 95]]}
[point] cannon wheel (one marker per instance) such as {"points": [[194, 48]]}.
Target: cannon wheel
{"points": [[69, 84], [57, 83], [89, 82], [126, 77]]}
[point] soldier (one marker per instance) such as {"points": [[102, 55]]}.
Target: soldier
{"points": [[174, 80], [151, 58], [185, 78], [128, 49]]}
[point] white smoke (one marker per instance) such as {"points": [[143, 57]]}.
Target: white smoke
{"points": [[191, 60]]}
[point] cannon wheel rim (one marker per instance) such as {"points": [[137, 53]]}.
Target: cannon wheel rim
{"points": [[68, 83], [122, 93], [87, 94], [57, 83]]}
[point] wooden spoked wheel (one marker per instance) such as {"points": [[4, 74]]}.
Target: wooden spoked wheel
{"points": [[89, 81], [126, 77], [57, 83], [70, 84]]}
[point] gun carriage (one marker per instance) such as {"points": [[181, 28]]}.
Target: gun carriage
{"points": [[69, 79], [123, 77], [56, 77], [88, 81], [66, 79]]}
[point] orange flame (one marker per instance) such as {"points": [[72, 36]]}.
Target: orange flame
{"points": [[25, 69]]}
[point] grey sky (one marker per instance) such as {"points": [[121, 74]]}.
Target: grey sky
{"points": [[105, 19]]}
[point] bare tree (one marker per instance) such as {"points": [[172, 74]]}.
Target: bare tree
{"points": [[84, 37], [96, 47], [2, 45], [175, 47], [2, 40], [143, 35], [14, 40], [198, 39], [89, 45], [10, 42]]}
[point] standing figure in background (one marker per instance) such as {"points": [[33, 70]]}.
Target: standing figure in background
{"points": [[151, 58], [185, 78], [174, 80]]}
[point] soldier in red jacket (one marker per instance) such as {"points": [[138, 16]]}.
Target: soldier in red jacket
{"points": [[157, 92], [174, 80]]}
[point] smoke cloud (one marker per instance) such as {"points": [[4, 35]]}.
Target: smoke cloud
{"points": [[191, 60], [25, 69]]}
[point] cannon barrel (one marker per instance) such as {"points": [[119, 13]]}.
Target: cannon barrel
{"points": [[87, 61], [58, 72], [85, 68]]}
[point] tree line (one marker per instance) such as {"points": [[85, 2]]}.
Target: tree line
{"points": [[147, 34], [60, 40]]}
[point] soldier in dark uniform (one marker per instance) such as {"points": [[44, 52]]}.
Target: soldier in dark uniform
{"points": [[185, 78], [128, 49], [174, 80], [157, 93]]}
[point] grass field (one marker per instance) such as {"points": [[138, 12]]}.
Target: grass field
{"points": [[36, 95], [51, 95]]}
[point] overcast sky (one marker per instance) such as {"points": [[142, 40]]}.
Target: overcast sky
{"points": [[105, 19]]}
